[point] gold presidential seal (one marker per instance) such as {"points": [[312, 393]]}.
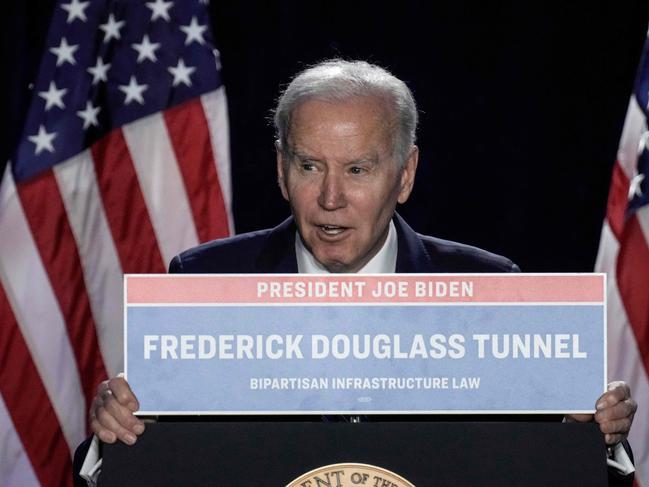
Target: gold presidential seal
{"points": [[350, 475]]}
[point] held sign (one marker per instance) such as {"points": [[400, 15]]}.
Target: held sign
{"points": [[345, 344]]}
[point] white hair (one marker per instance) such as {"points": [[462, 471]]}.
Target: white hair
{"points": [[337, 80]]}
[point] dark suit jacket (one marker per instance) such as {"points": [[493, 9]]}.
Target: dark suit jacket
{"points": [[273, 251]]}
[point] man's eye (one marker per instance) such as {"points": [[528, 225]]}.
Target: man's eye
{"points": [[357, 170], [307, 166]]}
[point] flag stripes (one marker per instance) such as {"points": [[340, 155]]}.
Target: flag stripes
{"points": [[617, 200], [161, 185], [34, 306], [28, 405], [72, 232], [14, 464], [624, 255], [634, 255], [126, 210], [117, 169], [624, 358], [97, 252], [196, 161], [49, 225], [215, 107]]}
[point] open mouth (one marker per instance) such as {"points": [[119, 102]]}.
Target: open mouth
{"points": [[332, 230]]}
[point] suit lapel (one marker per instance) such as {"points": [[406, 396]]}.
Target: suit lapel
{"points": [[278, 253], [411, 255]]}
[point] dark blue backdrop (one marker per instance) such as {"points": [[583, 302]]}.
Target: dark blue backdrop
{"points": [[522, 106]]}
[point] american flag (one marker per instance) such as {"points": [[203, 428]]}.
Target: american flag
{"points": [[123, 162], [624, 256]]}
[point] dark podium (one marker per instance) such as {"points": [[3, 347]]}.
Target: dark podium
{"points": [[458, 454]]}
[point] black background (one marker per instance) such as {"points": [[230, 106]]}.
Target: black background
{"points": [[522, 105]]}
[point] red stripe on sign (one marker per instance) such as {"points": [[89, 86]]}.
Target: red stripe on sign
{"points": [[189, 134], [617, 200], [633, 282], [57, 247], [29, 406], [125, 207], [336, 288]]}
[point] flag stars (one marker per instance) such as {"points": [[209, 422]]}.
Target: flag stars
{"points": [[111, 28], [133, 91], [89, 115], [194, 32], [635, 188], [146, 49], [53, 96], [99, 71], [217, 59], [159, 9], [43, 140], [643, 143], [181, 73], [64, 53], [75, 10]]}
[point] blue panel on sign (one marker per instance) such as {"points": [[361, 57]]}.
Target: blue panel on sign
{"points": [[375, 358]]}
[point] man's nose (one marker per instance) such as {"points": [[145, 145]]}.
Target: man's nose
{"points": [[332, 192]]}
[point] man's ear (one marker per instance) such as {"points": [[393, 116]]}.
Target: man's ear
{"points": [[281, 177], [408, 175]]}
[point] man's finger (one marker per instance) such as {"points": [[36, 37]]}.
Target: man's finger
{"points": [[104, 435], [619, 426], [123, 393], [617, 392], [123, 415], [110, 419], [610, 439], [624, 409], [108, 422]]}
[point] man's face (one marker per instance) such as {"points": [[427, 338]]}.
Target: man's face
{"points": [[342, 180]]}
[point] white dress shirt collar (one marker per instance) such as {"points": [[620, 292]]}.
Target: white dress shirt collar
{"points": [[384, 262]]}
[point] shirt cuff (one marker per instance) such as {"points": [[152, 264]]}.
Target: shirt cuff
{"points": [[91, 467], [620, 460]]}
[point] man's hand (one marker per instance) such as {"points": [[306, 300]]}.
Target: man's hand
{"points": [[615, 410], [111, 412]]}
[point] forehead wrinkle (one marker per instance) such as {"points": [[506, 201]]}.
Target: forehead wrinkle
{"points": [[369, 158], [325, 137]]}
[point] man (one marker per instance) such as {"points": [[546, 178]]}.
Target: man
{"points": [[346, 156]]}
